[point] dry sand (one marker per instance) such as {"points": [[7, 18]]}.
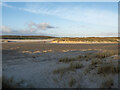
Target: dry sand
{"points": [[34, 63]]}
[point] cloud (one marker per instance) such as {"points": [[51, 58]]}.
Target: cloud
{"points": [[32, 28], [94, 19], [11, 31], [6, 5], [91, 16], [41, 26], [5, 29]]}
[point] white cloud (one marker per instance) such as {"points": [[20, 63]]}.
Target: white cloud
{"points": [[32, 28], [88, 15], [5, 29], [91, 16], [6, 5]]}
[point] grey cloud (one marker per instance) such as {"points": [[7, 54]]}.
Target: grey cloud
{"points": [[40, 26], [32, 28]]}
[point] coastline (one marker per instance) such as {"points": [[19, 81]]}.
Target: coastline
{"points": [[26, 40]]}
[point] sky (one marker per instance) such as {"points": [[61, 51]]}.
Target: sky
{"points": [[60, 19]]}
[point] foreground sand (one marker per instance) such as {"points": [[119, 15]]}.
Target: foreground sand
{"points": [[34, 65]]}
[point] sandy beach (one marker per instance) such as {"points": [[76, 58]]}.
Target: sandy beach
{"points": [[51, 44], [38, 65]]}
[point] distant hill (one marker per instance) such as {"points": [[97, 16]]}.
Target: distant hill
{"points": [[25, 37]]}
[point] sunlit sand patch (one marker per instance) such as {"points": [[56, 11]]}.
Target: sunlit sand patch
{"points": [[37, 52], [18, 47], [89, 49], [73, 50], [26, 52], [65, 50], [116, 57], [84, 50], [44, 51], [5, 41], [50, 50]]}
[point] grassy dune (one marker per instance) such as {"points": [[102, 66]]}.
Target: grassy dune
{"points": [[87, 39], [98, 66]]}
